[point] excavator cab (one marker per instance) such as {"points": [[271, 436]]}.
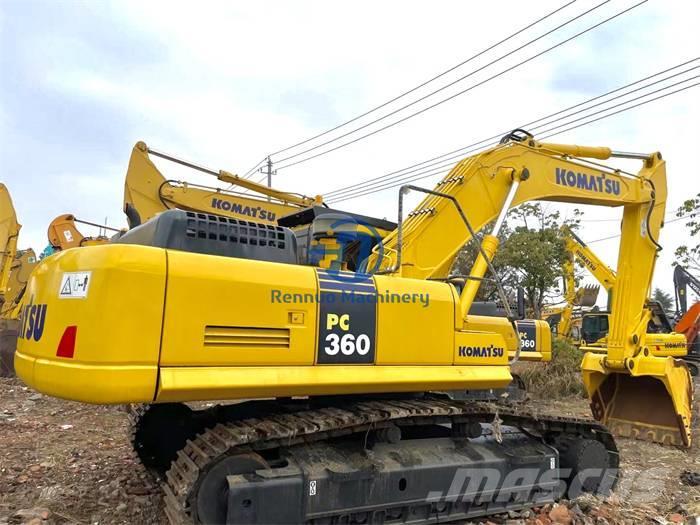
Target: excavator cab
{"points": [[334, 239], [594, 326]]}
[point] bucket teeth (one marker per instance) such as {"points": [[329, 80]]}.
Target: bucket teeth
{"points": [[634, 430]]}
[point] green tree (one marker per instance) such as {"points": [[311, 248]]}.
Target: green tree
{"points": [[688, 254], [664, 298], [531, 254]]}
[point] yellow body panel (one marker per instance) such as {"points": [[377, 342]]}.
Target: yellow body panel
{"points": [[541, 352], [163, 325], [476, 348], [189, 383], [232, 295], [117, 341], [411, 333], [90, 383]]}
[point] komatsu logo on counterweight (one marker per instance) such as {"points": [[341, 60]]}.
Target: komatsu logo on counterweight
{"points": [[256, 212], [585, 181], [31, 321]]}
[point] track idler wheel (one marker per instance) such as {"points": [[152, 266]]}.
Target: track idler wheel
{"points": [[209, 499]]}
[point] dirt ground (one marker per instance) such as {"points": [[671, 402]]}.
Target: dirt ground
{"points": [[64, 462]]}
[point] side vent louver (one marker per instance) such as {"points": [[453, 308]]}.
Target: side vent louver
{"points": [[245, 337]]}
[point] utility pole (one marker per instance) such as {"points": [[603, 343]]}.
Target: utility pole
{"points": [[270, 172]]}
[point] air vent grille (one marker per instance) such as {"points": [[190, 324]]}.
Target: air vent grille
{"points": [[225, 229], [246, 337]]}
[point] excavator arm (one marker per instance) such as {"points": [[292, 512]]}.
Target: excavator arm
{"points": [[579, 251], [63, 233], [9, 231], [564, 325], [147, 192], [682, 279], [582, 253], [482, 188]]}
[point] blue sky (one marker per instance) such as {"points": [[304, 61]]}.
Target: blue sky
{"points": [[226, 83]]}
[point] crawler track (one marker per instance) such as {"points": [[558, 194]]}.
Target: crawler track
{"points": [[308, 426]]}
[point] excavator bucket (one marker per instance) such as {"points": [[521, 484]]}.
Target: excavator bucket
{"points": [[588, 295], [650, 400]]}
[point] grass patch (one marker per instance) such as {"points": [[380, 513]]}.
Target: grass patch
{"points": [[559, 378]]}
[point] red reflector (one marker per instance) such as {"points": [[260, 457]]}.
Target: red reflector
{"points": [[66, 346]]}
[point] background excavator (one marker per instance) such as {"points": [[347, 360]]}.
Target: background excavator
{"points": [[147, 192], [687, 319], [565, 320], [662, 338], [63, 233], [338, 360], [15, 267]]}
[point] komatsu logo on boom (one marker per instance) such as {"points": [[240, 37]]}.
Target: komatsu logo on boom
{"points": [[256, 212], [585, 181]]}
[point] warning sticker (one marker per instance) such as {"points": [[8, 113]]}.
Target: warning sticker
{"points": [[74, 285]]}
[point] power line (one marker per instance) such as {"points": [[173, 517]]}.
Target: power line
{"points": [[423, 110], [446, 169], [383, 185], [619, 234], [460, 152], [620, 104], [423, 175], [255, 168], [436, 77], [623, 110], [460, 79]]}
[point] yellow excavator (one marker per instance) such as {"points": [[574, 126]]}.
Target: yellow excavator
{"points": [[562, 318], [9, 232], [565, 320], [15, 267], [147, 192], [661, 340], [345, 378]]}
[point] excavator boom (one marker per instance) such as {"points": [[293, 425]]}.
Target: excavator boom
{"points": [[147, 192], [520, 170], [15, 267]]}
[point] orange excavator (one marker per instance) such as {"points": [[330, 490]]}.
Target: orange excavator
{"points": [[687, 319]]}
